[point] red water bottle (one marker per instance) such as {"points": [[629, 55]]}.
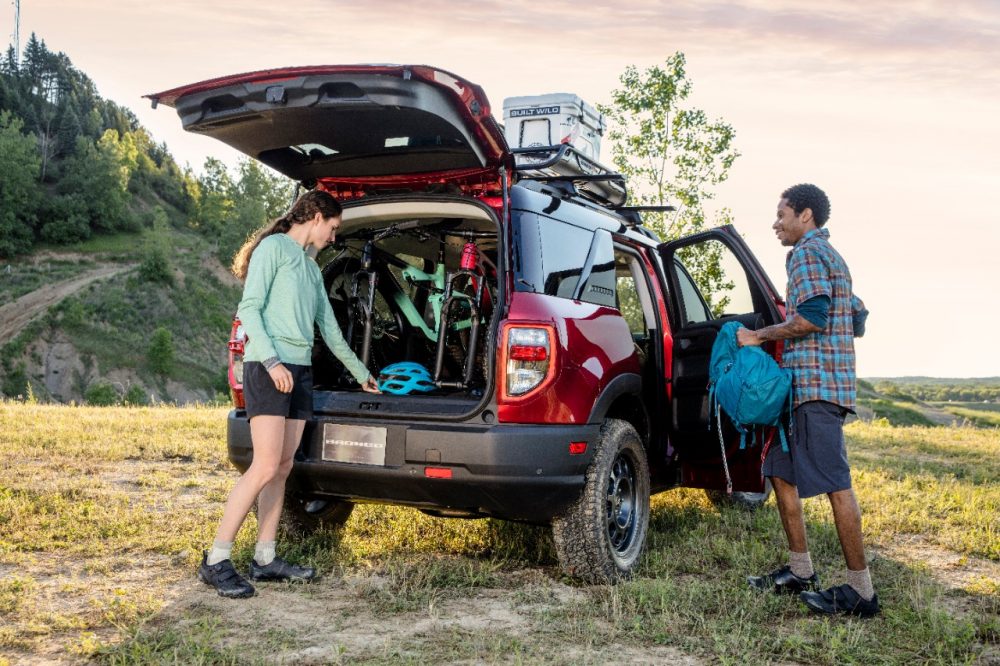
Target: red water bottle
{"points": [[470, 256]]}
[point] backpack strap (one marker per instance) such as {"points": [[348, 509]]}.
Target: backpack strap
{"points": [[722, 450], [713, 404]]}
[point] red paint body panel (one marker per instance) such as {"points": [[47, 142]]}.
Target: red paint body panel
{"points": [[593, 345]]}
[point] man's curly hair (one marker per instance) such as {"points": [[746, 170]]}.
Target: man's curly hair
{"points": [[809, 196]]}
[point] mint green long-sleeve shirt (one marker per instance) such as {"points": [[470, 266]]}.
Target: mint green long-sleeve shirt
{"points": [[282, 298]]}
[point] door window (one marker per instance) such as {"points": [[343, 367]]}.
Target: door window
{"points": [[632, 297], [713, 282]]}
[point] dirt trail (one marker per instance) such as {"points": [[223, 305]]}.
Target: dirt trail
{"points": [[15, 315]]}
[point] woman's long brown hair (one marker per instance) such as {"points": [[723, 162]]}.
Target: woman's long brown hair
{"points": [[303, 210]]}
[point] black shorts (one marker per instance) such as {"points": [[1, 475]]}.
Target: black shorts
{"points": [[263, 398], [816, 461]]}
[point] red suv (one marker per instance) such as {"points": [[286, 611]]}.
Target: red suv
{"points": [[563, 349]]}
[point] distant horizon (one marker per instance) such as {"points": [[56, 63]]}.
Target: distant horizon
{"points": [[978, 379]]}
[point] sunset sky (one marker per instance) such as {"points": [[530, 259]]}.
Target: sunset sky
{"points": [[891, 107]]}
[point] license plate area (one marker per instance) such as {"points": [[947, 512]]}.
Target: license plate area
{"points": [[359, 445]]}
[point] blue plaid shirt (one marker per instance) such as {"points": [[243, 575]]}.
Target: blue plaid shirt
{"points": [[822, 363]]}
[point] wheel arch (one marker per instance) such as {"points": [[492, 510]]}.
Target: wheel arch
{"points": [[622, 399]]}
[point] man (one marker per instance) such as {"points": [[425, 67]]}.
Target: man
{"points": [[822, 318]]}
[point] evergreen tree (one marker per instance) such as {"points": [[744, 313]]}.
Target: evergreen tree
{"points": [[19, 166]]}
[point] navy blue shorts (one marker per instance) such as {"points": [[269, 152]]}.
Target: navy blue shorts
{"points": [[263, 398], [816, 461]]}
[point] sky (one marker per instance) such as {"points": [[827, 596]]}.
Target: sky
{"points": [[890, 106]]}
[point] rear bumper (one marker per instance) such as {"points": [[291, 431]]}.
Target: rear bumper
{"points": [[516, 472]]}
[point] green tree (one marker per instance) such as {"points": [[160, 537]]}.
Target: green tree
{"points": [[671, 154], [101, 394], [19, 168], [155, 264], [213, 198], [228, 210], [96, 175], [135, 396], [161, 352]]}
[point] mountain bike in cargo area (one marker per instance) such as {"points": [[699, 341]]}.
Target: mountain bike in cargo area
{"points": [[554, 352]]}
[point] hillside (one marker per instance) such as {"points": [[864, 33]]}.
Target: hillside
{"points": [[88, 333], [113, 284]]}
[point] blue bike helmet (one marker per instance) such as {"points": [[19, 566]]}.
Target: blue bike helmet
{"points": [[405, 378]]}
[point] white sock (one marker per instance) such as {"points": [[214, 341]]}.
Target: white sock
{"points": [[264, 553], [221, 550], [861, 581], [801, 564]]}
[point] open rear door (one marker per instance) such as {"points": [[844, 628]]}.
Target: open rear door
{"points": [[351, 122], [730, 286]]}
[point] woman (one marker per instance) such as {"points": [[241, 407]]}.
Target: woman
{"points": [[283, 296]]}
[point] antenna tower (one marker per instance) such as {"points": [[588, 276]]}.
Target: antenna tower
{"points": [[17, 31]]}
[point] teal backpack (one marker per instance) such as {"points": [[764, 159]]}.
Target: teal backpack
{"points": [[749, 386]]}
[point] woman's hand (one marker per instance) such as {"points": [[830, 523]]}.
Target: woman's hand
{"points": [[281, 377], [370, 385]]}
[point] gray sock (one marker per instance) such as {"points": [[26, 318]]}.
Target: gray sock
{"points": [[861, 581], [801, 564], [221, 550], [264, 553]]}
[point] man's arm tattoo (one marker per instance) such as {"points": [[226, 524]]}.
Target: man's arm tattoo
{"points": [[796, 327]]}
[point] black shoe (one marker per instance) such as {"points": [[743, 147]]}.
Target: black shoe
{"points": [[225, 579], [279, 569], [841, 599], [783, 581]]}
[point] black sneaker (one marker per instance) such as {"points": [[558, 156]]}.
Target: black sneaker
{"points": [[841, 599], [225, 579], [279, 569], [783, 581]]}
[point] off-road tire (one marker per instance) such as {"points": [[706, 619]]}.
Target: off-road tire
{"points": [[301, 516], [590, 540], [741, 500]]}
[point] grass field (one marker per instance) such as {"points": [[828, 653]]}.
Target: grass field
{"points": [[981, 414], [104, 511]]}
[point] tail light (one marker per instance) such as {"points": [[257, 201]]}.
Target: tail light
{"points": [[236, 344], [529, 358]]}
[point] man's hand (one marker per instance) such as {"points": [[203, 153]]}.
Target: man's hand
{"points": [[747, 338], [796, 327], [370, 385], [281, 377]]}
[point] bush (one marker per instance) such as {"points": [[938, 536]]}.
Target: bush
{"points": [[155, 267], [101, 394], [64, 220], [72, 314], [161, 352], [15, 383], [135, 396]]}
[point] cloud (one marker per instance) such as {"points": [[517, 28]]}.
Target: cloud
{"points": [[890, 39]]}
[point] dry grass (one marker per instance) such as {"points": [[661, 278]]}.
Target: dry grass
{"points": [[103, 512]]}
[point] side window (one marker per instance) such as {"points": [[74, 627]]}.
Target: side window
{"points": [[721, 283], [695, 308], [632, 294], [552, 257], [600, 271], [564, 252]]}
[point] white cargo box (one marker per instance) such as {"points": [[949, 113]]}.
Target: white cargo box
{"points": [[549, 120]]}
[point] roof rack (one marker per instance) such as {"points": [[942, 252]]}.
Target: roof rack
{"points": [[567, 164]]}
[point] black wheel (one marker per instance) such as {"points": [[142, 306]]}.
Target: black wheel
{"points": [[603, 534], [742, 500], [301, 516], [388, 327]]}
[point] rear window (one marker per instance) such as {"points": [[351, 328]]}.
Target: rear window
{"points": [[560, 259]]}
